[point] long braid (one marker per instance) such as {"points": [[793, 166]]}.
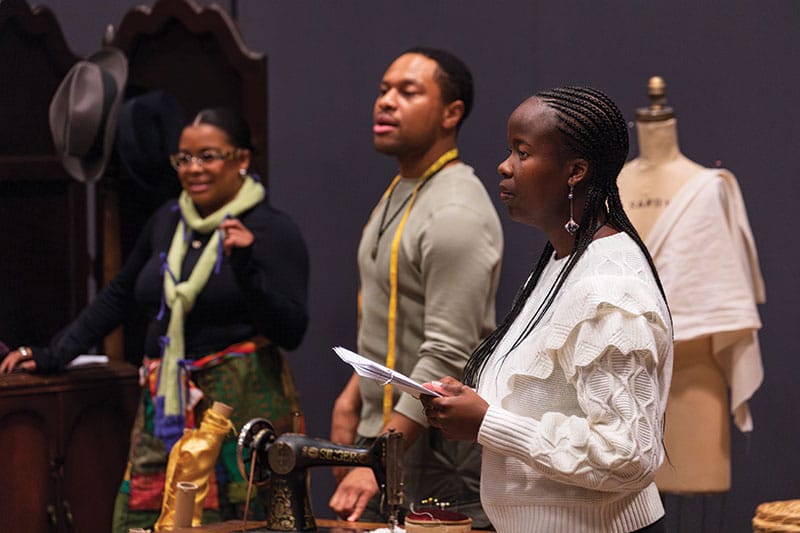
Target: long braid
{"points": [[592, 128]]}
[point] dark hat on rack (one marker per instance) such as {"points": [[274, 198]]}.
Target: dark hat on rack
{"points": [[83, 112], [149, 128]]}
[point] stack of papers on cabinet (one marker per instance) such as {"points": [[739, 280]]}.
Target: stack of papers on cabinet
{"points": [[88, 359]]}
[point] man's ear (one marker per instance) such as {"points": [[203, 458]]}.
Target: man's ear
{"points": [[452, 114], [578, 171]]}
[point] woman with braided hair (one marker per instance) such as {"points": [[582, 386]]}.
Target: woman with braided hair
{"points": [[571, 387]]}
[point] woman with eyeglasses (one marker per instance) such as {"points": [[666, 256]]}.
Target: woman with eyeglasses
{"points": [[221, 277]]}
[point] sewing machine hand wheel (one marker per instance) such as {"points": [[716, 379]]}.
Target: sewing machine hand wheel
{"points": [[254, 440]]}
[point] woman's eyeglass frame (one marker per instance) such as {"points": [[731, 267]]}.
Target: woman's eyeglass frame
{"points": [[183, 159]]}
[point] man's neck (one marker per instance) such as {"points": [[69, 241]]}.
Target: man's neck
{"points": [[414, 165]]}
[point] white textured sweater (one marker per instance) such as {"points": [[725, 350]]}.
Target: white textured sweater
{"points": [[573, 434]]}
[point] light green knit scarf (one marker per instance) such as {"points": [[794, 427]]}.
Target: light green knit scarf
{"points": [[180, 297]]}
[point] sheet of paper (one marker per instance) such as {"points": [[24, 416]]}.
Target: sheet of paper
{"points": [[88, 359], [372, 370]]}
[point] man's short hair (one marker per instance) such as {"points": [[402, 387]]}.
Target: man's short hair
{"points": [[454, 78]]}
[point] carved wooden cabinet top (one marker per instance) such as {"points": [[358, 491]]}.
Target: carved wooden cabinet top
{"points": [[35, 60], [93, 376]]}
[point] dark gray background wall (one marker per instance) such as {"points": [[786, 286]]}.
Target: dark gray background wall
{"points": [[732, 76]]}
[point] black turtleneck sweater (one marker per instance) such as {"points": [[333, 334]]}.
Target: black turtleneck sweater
{"points": [[261, 289]]}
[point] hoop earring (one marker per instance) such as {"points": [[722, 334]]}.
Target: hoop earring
{"points": [[571, 226], [243, 172]]}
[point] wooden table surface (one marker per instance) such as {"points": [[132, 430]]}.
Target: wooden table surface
{"points": [[234, 526], [330, 526]]}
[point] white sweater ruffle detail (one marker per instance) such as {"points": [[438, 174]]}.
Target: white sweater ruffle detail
{"points": [[573, 434]]}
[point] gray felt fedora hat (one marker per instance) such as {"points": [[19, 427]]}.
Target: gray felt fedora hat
{"points": [[83, 112]]}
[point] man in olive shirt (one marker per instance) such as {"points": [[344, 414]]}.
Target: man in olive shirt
{"points": [[429, 263]]}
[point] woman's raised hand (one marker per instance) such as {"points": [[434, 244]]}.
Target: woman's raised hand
{"points": [[235, 235]]}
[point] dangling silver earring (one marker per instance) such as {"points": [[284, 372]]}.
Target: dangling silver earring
{"points": [[243, 172], [571, 226]]}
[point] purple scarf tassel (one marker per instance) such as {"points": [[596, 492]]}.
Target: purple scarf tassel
{"points": [[163, 342], [167, 428], [220, 253], [220, 247], [164, 268], [177, 207]]}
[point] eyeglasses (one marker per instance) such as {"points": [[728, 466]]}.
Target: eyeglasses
{"points": [[184, 160]]}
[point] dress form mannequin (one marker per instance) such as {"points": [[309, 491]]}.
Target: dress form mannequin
{"points": [[697, 429], [650, 181]]}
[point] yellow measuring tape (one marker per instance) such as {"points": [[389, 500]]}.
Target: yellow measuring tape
{"points": [[391, 337]]}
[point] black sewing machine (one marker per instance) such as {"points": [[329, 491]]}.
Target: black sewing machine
{"points": [[278, 465]]}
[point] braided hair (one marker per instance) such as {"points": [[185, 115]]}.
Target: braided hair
{"points": [[591, 127]]}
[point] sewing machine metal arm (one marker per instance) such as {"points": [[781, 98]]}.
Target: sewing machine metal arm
{"points": [[280, 464]]}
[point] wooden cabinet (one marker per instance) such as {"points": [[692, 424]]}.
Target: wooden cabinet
{"points": [[63, 447]]}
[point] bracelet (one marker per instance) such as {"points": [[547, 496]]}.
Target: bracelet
{"points": [[25, 352]]}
